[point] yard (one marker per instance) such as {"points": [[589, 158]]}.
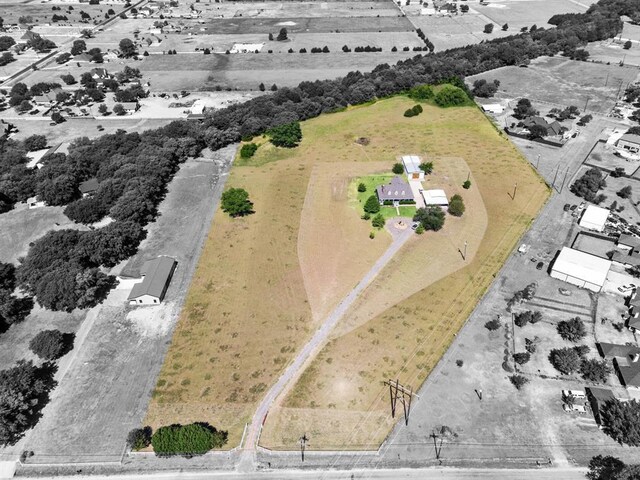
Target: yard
{"points": [[371, 182], [265, 281]]}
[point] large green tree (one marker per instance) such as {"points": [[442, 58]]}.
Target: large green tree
{"points": [[192, 439], [236, 203], [621, 421], [288, 135], [372, 205], [431, 218]]}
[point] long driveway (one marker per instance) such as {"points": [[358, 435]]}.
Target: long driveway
{"points": [[317, 341]]}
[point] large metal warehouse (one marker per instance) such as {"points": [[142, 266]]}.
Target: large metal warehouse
{"points": [[581, 269]]}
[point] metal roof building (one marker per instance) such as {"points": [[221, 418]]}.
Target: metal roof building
{"points": [[435, 197], [581, 269], [157, 275], [594, 218], [412, 167]]}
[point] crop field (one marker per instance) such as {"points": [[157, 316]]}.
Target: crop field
{"points": [[405, 320], [563, 82], [265, 281]]}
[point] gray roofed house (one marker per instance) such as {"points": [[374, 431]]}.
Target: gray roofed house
{"points": [[597, 398], [612, 350], [626, 360], [157, 275], [396, 191], [629, 242], [88, 187]]}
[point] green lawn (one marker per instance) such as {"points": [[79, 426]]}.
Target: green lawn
{"points": [[371, 182]]}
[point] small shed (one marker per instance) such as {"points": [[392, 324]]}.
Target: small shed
{"points": [[157, 275], [594, 218], [581, 269], [629, 142]]}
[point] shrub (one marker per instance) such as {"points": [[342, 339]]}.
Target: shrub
{"points": [[417, 109], [378, 221], [362, 187], [248, 150], [460, 363], [492, 325], [518, 381], [49, 344], [421, 92], [192, 439], [236, 203], [488, 28], [565, 360], [521, 358], [139, 438], [456, 206], [409, 113], [450, 96], [520, 296], [595, 370], [467, 184], [426, 167], [419, 229], [572, 330], [372, 205], [624, 192], [397, 168]]}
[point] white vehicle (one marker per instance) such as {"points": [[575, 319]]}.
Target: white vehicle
{"points": [[626, 288], [574, 408], [523, 248], [576, 394]]}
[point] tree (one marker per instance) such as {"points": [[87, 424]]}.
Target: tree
{"points": [[6, 58], [68, 79], [397, 168], [372, 205], [421, 93], [587, 185], [450, 96], [139, 438], [565, 360], [7, 276], [287, 135], [248, 150], [467, 184], [282, 35], [521, 358], [624, 192], [627, 45], [431, 218], [24, 106], [484, 89], [492, 325], [192, 439], [505, 27], [57, 117], [621, 421], [127, 48], [236, 203], [521, 319], [103, 109], [6, 43], [537, 131], [378, 221], [572, 330], [271, 37], [524, 109], [362, 187], [78, 47], [518, 381], [118, 109], [594, 370], [456, 206], [604, 468], [49, 344], [35, 142], [24, 391], [488, 28], [464, 8], [426, 167]]}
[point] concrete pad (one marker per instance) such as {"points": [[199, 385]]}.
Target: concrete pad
{"points": [[7, 469]]}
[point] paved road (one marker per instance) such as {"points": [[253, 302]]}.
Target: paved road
{"points": [[431, 473], [318, 339]]}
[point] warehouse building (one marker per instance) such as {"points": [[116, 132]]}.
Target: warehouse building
{"points": [[581, 269], [594, 218]]}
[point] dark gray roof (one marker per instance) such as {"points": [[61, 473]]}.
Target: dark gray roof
{"points": [[630, 372], [631, 138], [157, 273], [625, 258], [89, 186], [396, 189], [610, 350], [600, 394], [629, 240]]}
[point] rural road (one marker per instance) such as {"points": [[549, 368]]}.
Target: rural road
{"points": [[318, 339], [417, 474]]}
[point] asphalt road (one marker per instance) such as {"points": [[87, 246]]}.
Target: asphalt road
{"points": [[427, 474]]}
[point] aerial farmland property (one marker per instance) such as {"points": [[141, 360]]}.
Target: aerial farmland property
{"points": [[348, 237]]}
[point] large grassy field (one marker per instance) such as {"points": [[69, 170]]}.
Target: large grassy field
{"points": [[264, 282]]}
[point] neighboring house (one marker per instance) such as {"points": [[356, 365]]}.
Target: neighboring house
{"points": [[130, 107], [88, 187], [157, 275], [99, 73], [629, 142], [629, 242], [594, 218], [29, 35], [494, 108], [396, 191], [597, 398], [626, 260], [581, 269], [412, 167], [552, 129], [246, 47], [48, 98], [626, 360], [83, 57], [435, 197]]}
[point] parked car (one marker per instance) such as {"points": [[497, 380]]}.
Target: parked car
{"points": [[626, 288], [567, 206], [565, 292], [539, 265], [574, 408], [577, 394], [414, 225], [573, 207]]}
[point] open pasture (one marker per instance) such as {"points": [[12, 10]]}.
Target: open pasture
{"points": [[41, 13], [525, 13]]}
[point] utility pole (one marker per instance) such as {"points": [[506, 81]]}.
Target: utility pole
{"points": [[538, 162], [607, 80], [465, 250], [553, 185], [402, 393], [515, 189], [565, 177], [586, 103], [437, 449], [303, 444]]}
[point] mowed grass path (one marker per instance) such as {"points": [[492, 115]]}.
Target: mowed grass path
{"points": [[340, 400], [247, 311]]}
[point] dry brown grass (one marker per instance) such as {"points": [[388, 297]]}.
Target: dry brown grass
{"points": [[247, 311]]}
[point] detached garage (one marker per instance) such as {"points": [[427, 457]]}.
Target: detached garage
{"points": [[581, 269]]}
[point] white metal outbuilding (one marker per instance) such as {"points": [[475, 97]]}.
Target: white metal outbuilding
{"points": [[594, 218], [581, 269]]}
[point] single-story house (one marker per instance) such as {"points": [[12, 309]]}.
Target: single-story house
{"points": [[629, 242], [594, 218], [130, 107], [197, 108], [597, 398], [157, 275], [581, 269], [412, 167], [435, 197], [396, 191], [99, 73], [88, 187], [29, 35], [246, 47], [33, 202], [552, 129], [83, 57], [633, 322], [626, 360], [629, 142], [626, 260], [47, 98]]}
